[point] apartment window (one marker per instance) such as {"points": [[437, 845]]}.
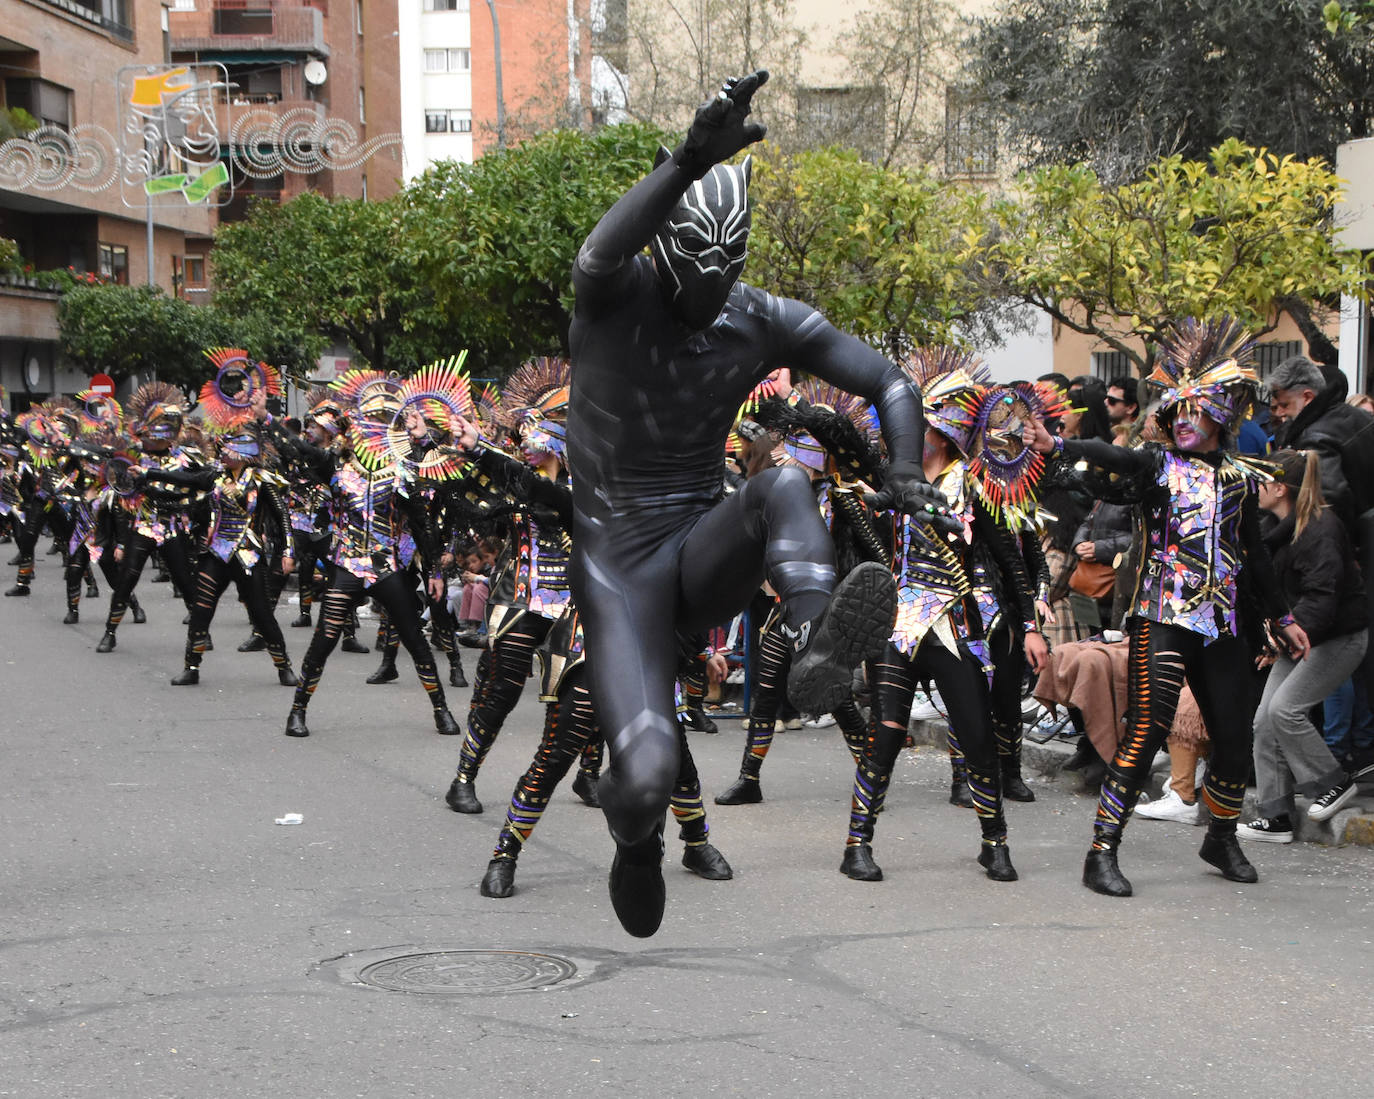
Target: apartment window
{"points": [[970, 135], [50, 103], [1111, 364], [446, 5], [1269, 354], [849, 116], [247, 17], [193, 268], [114, 263], [453, 121], [448, 61]]}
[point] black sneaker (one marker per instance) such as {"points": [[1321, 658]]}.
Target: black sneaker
{"points": [[1333, 801], [855, 627], [1277, 829]]}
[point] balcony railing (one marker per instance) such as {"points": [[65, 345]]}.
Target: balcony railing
{"points": [[240, 25], [114, 24]]}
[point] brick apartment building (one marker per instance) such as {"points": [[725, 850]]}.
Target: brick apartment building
{"points": [[58, 62]]}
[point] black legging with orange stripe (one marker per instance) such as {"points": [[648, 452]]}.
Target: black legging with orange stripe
{"points": [[1162, 657]]}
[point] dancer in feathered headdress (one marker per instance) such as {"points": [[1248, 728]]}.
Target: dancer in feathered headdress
{"points": [[1197, 504], [384, 542], [156, 415], [49, 429], [529, 589], [964, 606]]}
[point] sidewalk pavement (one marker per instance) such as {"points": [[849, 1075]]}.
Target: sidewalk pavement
{"points": [[1353, 825]]}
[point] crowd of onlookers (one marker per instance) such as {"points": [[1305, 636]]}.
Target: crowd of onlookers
{"points": [[1314, 726]]}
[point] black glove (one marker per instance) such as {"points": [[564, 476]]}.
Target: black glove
{"points": [[719, 130], [907, 490]]}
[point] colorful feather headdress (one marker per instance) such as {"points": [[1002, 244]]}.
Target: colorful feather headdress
{"points": [[1007, 469], [439, 394], [102, 413], [1206, 366], [228, 396], [534, 403], [157, 410], [952, 382]]}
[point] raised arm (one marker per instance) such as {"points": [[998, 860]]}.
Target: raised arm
{"points": [[718, 132]]}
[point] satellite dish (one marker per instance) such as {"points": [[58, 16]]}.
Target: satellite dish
{"points": [[315, 72]]}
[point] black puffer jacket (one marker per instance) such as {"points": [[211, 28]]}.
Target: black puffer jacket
{"points": [[1343, 437], [1319, 577]]}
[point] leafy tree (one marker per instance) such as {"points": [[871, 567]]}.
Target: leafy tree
{"points": [[889, 256], [1118, 83], [127, 330], [496, 239], [335, 268], [1243, 233], [16, 122]]}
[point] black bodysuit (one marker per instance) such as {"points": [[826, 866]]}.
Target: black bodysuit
{"points": [[656, 548]]}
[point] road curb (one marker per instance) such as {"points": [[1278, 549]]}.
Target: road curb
{"points": [[1352, 826]]}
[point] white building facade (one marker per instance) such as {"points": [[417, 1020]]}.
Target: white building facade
{"points": [[435, 43]]}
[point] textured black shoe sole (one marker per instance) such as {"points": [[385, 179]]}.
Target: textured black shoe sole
{"points": [[856, 626]]}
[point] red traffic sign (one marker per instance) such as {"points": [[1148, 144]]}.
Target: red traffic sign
{"points": [[103, 384]]}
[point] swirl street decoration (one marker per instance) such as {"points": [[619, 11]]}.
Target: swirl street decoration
{"points": [[181, 142]]}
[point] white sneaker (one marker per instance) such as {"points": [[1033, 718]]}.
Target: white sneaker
{"points": [[929, 708], [1170, 807], [820, 721]]}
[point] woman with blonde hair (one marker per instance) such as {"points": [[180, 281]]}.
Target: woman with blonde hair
{"points": [[1316, 568]]}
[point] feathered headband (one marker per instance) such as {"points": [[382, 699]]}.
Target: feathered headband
{"points": [[1007, 469], [952, 382], [1206, 366], [228, 396], [438, 394], [536, 390], [157, 410], [101, 412]]}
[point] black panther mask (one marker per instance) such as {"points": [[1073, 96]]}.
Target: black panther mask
{"points": [[700, 251]]}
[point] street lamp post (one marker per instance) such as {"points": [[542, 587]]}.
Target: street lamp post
{"points": [[500, 98]]}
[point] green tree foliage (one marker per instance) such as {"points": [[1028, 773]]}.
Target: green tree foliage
{"points": [[334, 268], [127, 330], [1119, 83], [16, 122], [495, 240], [1242, 233], [887, 255]]}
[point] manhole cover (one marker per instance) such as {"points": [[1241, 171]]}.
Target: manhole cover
{"points": [[459, 972]]}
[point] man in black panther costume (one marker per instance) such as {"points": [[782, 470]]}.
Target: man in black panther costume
{"points": [[664, 351]]}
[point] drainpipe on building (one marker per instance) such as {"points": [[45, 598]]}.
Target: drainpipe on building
{"points": [[500, 98]]}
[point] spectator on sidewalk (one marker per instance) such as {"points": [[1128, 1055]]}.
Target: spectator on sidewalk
{"points": [[1317, 572]]}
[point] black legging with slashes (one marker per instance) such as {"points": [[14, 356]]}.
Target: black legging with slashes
{"points": [[212, 579]]}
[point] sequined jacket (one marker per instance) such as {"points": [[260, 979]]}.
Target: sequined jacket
{"points": [[165, 511], [1201, 527], [247, 519]]}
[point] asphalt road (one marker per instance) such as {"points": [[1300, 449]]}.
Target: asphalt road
{"points": [[161, 936]]}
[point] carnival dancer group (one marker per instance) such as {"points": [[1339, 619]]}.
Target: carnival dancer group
{"points": [[889, 514]]}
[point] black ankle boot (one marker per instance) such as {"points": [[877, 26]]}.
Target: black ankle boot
{"points": [[462, 797], [745, 791], [1102, 875], [256, 643], [72, 618], [92, 590], [1014, 787], [1083, 754], [705, 861], [301, 620], [456, 678], [107, 643], [854, 627], [584, 786], [139, 616], [960, 795], [287, 677], [295, 722], [444, 723], [499, 880], [1221, 848], [636, 885], [386, 671], [351, 644], [697, 721], [18, 589], [188, 677], [995, 858], [858, 863]]}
